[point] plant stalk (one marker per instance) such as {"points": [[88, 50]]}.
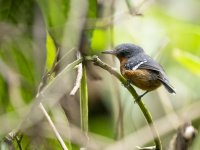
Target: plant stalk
{"points": [[130, 88]]}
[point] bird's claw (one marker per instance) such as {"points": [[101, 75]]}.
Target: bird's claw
{"points": [[140, 97], [127, 84]]}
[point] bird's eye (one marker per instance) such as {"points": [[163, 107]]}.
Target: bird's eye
{"points": [[124, 53]]}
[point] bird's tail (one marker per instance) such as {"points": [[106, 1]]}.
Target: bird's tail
{"points": [[168, 87]]}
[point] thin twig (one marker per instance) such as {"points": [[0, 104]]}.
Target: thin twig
{"points": [[54, 63], [134, 11], [62, 143], [146, 148], [43, 82], [47, 74], [140, 103], [78, 78], [57, 62], [18, 140]]}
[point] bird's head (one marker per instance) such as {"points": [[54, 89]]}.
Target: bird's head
{"points": [[125, 51]]}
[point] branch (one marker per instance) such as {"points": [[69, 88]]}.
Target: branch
{"points": [[78, 78], [143, 108], [134, 11], [62, 143]]}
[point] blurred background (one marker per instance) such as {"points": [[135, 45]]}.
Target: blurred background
{"points": [[39, 38]]}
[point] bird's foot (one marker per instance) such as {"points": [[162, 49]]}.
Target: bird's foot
{"points": [[127, 84], [140, 97]]}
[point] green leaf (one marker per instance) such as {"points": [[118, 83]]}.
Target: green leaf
{"points": [[84, 100], [188, 60], [16, 11], [4, 98], [51, 52], [92, 9], [55, 14]]}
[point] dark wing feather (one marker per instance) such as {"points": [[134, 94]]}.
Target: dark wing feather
{"points": [[142, 61]]}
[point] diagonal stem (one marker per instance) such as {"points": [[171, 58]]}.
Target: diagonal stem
{"points": [[62, 143], [84, 101], [140, 103]]}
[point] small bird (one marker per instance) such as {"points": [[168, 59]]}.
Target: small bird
{"points": [[139, 68]]}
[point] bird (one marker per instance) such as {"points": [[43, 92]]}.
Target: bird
{"points": [[140, 69]]}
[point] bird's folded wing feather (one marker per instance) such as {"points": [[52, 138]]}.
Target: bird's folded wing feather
{"points": [[146, 62], [142, 62]]}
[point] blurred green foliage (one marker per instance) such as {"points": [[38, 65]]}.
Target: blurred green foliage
{"points": [[180, 55], [188, 60], [17, 12], [183, 34]]}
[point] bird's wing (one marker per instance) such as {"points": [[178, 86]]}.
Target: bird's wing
{"points": [[143, 62], [150, 64], [155, 67]]}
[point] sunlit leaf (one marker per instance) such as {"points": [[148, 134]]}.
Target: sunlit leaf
{"points": [[99, 40], [51, 52], [188, 60]]}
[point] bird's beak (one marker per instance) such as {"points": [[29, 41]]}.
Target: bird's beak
{"points": [[112, 52]]}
